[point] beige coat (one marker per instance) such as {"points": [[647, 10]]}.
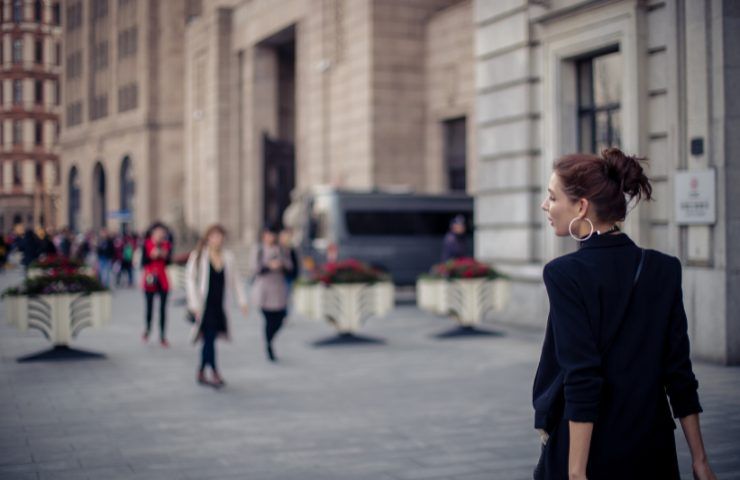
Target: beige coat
{"points": [[270, 290], [197, 277]]}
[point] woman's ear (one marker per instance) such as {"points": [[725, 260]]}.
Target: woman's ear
{"points": [[583, 205]]}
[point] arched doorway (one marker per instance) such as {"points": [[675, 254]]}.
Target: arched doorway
{"points": [[73, 206], [126, 187], [99, 209]]}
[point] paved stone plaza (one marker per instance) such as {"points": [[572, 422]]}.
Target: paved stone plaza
{"points": [[414, 408]]}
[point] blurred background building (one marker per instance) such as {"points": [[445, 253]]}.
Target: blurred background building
{"points": [[30, 61], [123, 113], [355, 94], [195, 111], [654, 77]]}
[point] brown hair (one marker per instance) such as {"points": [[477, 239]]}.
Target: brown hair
{"points": [[609, 181], [216, 228]]}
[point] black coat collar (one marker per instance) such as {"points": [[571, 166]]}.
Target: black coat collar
{"points": [[609, 240]]}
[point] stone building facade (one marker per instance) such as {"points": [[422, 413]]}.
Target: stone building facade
{"points": [[30, 64], [359, 94], [122, 141], [654, 77]]}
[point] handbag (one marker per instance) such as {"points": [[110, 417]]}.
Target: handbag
{"points": [[539, 469]]}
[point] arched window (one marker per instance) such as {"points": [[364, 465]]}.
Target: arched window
{"points": [[127, 189], [99, 209], [73, 189]]}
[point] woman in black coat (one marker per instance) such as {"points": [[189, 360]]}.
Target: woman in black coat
{"points": [[616, 340]]}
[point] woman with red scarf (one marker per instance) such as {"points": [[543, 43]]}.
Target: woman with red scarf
{"points": [[157, 252]]}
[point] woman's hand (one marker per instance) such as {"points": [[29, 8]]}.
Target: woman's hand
{"points": [[702, 471], [275, 264], [244, 309]]}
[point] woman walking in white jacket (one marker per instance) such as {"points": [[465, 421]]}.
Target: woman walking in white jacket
{"points": [[211, 274]]}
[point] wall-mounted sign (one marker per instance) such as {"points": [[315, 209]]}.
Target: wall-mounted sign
{"points": [[696, 197]]}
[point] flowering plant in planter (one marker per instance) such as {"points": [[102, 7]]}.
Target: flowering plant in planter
{"points": [[348, 271], [464, 268], [57, 264], [56, 283]]}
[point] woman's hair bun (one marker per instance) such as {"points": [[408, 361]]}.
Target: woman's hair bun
{"points": [[628, 172]]}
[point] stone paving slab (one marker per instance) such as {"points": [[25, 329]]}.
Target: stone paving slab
{"points": [[415, 408]]}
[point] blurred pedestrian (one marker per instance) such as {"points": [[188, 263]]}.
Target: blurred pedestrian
{"points": [[156, 255], [28, 245], [211, 274], [455, 245], [65, 243], [3, 252], [270, 262], [286, 243], [616, 348], [46, 245], [106, 252], [125, 257]]}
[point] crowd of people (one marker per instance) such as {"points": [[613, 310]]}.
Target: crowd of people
{"points": [[111, 256], [211, 277]]}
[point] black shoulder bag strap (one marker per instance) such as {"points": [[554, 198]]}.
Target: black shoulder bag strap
{"points": [[627, 306]]}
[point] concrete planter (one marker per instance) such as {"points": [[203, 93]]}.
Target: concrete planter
{"points": [[176, 276], [470, 300], [59, 317], [38, 272], [345, 306], [432, 295], [307, 300]]}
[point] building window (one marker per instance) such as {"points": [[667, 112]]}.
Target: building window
{"points": [[127, 42], [17, 173], [74, 16], [17, 50], [100, 56], [38, 137], [74, 114], [599, 83], [17, 11], [128, 97], [99, 9], [2, 136], [38, 96], [17, 132], [57, 93], [38, 11], [17, 92], [57, 54], [98, 107], [455, 153], [56, 13], [39, 52]]}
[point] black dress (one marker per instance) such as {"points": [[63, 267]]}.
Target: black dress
{"points": [[625, 390], [214, 318]]}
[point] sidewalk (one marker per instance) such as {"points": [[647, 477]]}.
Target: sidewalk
{"points": [[413, 408]]}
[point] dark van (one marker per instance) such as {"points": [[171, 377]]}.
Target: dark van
{"points": [[400, 233]]}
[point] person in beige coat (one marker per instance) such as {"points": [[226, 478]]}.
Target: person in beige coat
{"points": [[270, 265], [211, 276]]}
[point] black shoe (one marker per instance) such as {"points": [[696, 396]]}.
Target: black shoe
{"points": [[270, 354]]}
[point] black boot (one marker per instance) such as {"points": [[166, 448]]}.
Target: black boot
{"points": [[270, 354]]}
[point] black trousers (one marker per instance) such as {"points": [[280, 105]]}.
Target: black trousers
{"points": [[162, 311], [208, 355], [273, 322]]}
